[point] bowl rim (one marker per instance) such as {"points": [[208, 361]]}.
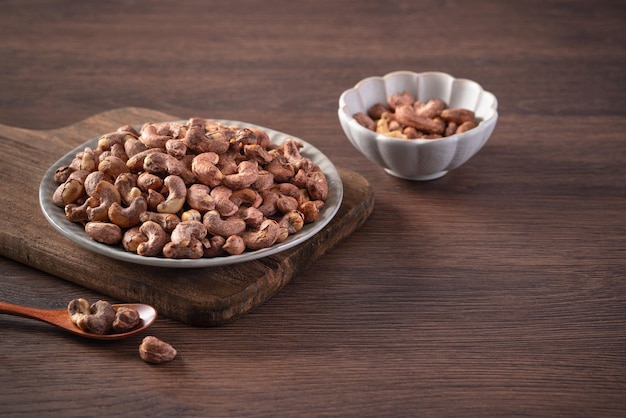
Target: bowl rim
{"points": [[343, 113]]}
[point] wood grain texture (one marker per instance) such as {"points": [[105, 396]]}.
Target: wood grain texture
{"points": [[204, 296], [498, 290]]}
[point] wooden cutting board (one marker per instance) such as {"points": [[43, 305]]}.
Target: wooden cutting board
{"points": [[202, 297]]}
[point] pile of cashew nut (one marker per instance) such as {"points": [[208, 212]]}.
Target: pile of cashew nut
{"points": [[191, 189], [402, 116], [101, 317]]}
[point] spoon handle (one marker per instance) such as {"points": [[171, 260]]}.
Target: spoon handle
{"points": [[26, 312]]}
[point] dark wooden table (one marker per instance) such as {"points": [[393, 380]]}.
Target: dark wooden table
{"points": [[497, 290]]}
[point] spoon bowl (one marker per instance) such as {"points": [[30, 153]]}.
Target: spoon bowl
{"points": [[62, 319]]}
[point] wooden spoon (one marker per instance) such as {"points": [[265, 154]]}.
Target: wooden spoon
{"points": [[61, 318]]}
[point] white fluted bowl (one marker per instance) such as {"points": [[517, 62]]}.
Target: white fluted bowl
{"points": [[418, 159]]}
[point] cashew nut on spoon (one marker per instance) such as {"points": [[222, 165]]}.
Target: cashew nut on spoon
{"points": [[61, 319]]}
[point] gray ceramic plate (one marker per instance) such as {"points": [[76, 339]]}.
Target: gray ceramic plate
{"points": [[76, 232]]}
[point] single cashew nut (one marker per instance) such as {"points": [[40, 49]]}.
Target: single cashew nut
{"points": [[113, 166], [129, 216], [234, 245], [204, 167], [126, 319], [194, 249], [405, 114], [265, 236], [199, 198], [132, 238], [214, 248], [136, 162], [153, 350], [293, 221], [78, 213], [311, 210], [176, 197], [77, 308], [246, 196], [104, 232], [251, 215], [161, 163], [221, 195], [157, 238], [186, 230], [191, 215], [151, 138], [167, 221], [92, 180], [71, 190], [215, 225], [430, 109], [148, 181], [317, 186]]}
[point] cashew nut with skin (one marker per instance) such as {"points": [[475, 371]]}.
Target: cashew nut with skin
{"points": [[157, 238], [104, 232], [177, 193], [126, 319], [106, 193], [126, 184], [151, 138], [97, 318], [113, 166], [92, 180], [317, 186], [129, 216], [193, 250], [251, 215], [154, 199], [191, 215], [234, 245], [132, 238], [247, 174], [87, 160], [292, 153], [133, 146], [215, 248], [264, 237], [167, 221], [199, 198], [148, 181], [281, 169], [162, 163], [136, 162], [311, 210], [153, 350], [223, 204], [246, 196], [204, 167], [293, 221], [71, 190], [215, 225], [78, 213], [186, 230], [176, 148], [198, 140]]}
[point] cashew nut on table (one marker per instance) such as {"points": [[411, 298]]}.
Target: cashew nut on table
{"points": [[191, 189]]}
